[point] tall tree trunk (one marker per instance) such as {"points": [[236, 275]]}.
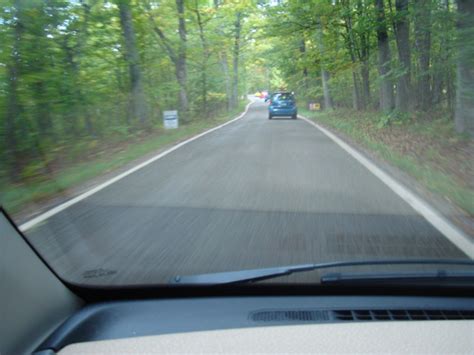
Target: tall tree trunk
{"points": [[402, 31], [38, 64], [365, 75], [441, 61], [43, 111], [464, 113], [205, 59], [81, 97], [356, 92], [357, 103], [225, 66], [138, 107], [328, 104], [181, 66], [384, 57], [235, 61], [178, 57], [364, 58], [13, 105], [305, 68], [227, 78], [423, 47], [79, 103]]}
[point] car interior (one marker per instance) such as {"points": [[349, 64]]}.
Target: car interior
{"points": [[230, 176], [41, 314]]}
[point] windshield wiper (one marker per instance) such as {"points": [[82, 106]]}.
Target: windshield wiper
{"points": [[423, 277], [251, 275]]}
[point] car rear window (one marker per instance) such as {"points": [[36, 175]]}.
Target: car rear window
{"points": [[283, 97]]}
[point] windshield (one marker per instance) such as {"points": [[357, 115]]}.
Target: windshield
{"points": [[139, 140]]}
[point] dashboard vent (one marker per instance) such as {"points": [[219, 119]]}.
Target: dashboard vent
{"points": [[290, 316], [402, 314], [351, 315]]}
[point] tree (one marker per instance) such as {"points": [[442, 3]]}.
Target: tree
{"points": [[205, 55], [14, 108], [384, 59], [73, 53], [181, 69], [402, 35], [235, 60], [464, 114], [328, 104], [138, 107], [177, 56], [357, 101], [76, 76], [423, 46]]}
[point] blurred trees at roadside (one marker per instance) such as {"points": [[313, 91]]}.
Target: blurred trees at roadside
{"points": [[75, 72], [396, 56]]}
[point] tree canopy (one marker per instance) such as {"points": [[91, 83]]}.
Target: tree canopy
{"points": [[83, 70]]}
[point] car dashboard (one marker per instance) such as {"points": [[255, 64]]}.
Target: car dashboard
{"points": [[269, 324]]}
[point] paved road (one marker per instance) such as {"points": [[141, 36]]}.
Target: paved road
{"points": [[256, 193]]}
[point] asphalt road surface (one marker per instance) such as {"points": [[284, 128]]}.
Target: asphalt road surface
{"points": [[255, 193]]}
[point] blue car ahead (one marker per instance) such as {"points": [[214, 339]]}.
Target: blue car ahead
{"points": [[282, 104]]}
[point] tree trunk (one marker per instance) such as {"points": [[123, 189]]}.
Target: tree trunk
{"points": [[423, 47], [38, 64], [365, 75], [357, 103], [328, 104], [13, 105], [402, 31], [79, 105], [178, 57], [138, 108], [326, 92], [441, 61], [80, 94], [464, 113], [43, 111], [384, 57], [181, 66], [206, 55], [235, 61], [305, 68], [364, 53], [356, 100], [227, 79]]}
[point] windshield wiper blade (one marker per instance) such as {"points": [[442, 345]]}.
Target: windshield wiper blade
{"points": [[392, 277], [251, 275]]}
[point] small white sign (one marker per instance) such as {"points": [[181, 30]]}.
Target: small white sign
{"points": [[170, 119]]}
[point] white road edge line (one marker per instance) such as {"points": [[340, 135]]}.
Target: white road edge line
{"points": [[44, 216], [456, 236]]}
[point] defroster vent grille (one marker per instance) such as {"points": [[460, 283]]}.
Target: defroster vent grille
{"points": [[290, 316], [402, 314], [348, 315]]}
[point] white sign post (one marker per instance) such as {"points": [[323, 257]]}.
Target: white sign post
{"points": [[170, 119]]}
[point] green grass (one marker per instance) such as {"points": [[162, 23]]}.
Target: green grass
{"points": [[15, 197], [428, 175]]}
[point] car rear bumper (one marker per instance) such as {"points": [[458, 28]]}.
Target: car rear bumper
{"points": [[283, 111]]}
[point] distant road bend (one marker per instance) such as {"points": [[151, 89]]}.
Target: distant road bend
{"points": [[255, 193]]}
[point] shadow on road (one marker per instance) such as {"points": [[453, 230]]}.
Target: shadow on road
{"points": [[158, 242]]}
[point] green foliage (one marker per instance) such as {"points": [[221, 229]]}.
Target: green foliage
{"points": [[65, 67], [393, 118], [66, 83]]}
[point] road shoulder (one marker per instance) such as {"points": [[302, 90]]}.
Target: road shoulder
{"points": [[446, 217]]}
